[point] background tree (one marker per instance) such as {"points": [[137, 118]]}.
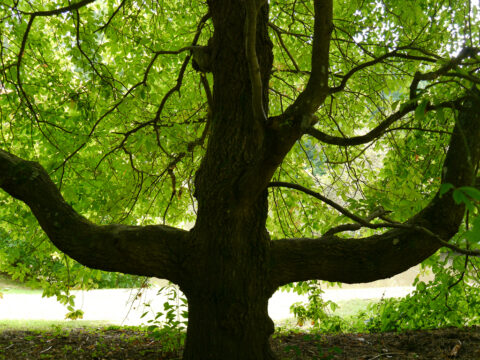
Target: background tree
{"points": [[148, 112]]}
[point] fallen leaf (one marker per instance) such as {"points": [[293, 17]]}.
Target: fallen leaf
{"points": [[456, 349]]}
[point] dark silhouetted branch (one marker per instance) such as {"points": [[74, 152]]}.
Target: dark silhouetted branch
{"points": [[149, 250]]}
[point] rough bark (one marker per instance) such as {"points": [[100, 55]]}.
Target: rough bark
{"points": [[228, 286]]}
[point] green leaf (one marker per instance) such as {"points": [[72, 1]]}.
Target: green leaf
{"points": [[464, 195], [472, 192], [420, 111], [460, 197], [395, 105], [444, 188], [441, 115]]}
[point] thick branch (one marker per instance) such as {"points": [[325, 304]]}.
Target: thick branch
{"points": [[285, 129], [317, 87], [149, 250], [251, 10], [380, 256], [61, 10]]}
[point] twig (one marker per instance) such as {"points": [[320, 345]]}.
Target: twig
{"points": [[393, 54], [386, 354], [47, 349], [282, 44], [111, 17], [326, 200], [466, 52], [382, 128]]}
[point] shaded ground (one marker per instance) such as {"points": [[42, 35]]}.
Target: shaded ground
{"points": [[121, 344]]}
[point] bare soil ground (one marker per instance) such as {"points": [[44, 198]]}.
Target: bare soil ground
{"points": [[123, 344]]}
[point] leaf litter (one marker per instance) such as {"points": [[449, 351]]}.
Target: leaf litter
{"points": [[130, 344]]}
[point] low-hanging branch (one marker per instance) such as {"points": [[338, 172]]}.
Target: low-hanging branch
{"points": [[406, 226], [141, 250], [361, 222], [354, 260], [446, 244]]}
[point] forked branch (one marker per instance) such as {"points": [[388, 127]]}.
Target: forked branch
{"points": [[380, 256], [317, 87], [285, 129]]}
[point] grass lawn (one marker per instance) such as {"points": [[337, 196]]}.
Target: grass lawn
{"points": [[346, 308], [352, 307], [26, 291], [12, 287], [50, 325]]}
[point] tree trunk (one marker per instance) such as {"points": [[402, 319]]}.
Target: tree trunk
{"points": [[228, 323], [228, 284], [230, 328]]}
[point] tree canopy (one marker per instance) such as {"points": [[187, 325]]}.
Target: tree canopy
{"points": [[334, 140]]}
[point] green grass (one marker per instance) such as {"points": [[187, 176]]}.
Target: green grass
{"points": [[9, 286], [353, 307], [50, 325], [346, 309], [26, 291]]}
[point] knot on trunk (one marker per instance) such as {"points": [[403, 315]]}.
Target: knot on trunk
{"points": [[202, 58]]}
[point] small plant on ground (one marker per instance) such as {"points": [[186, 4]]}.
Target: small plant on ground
{"points": [[169, 325], [316, 310]]}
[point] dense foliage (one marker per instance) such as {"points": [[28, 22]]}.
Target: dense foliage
{"points": [[354, 116]]}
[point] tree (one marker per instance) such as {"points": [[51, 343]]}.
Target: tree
{"points": [[127, 107]]}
